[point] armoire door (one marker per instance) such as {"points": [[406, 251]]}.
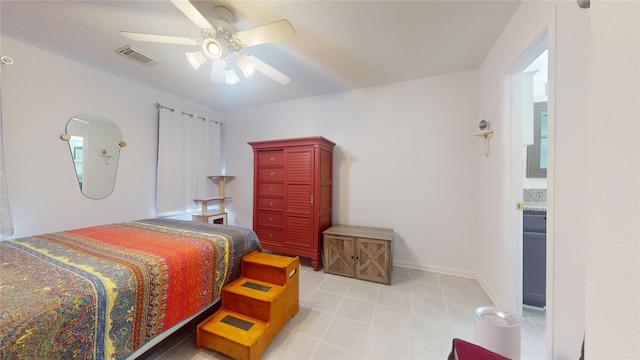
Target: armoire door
{"points": [[299, 181]]}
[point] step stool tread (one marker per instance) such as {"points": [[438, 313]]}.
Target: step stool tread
{"points": [[216, 325], [238, 287], [278, 261]]}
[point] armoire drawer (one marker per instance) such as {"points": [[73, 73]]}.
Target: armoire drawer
{"points": [[271, 189], [270, 235], [266, 203], [271, 174], [270, 219], [269, 158]]}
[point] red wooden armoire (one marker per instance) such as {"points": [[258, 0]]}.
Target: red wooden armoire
{"points": [[292, 194]]}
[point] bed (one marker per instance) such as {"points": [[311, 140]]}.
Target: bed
{"points": [[103, 292]]}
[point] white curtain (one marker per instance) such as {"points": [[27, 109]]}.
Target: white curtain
{"points": [[6, 226], [188, 151]]}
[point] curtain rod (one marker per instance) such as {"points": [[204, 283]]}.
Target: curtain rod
{"points": [[160, 106]]}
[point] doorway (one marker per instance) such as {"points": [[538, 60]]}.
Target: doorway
{"points": [[520, 97], [524, 205], [534, 181]]}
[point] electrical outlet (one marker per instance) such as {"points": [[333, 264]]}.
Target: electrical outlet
{"points": [[403, 240]]}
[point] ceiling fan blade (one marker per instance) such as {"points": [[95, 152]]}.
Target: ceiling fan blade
{"points": [[192, 13], [276, 31], [268, 70], [159, 38]]}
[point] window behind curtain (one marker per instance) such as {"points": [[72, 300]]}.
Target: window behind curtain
{"points": [[188, 152]]}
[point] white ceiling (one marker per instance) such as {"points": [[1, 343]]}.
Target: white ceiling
{"points": [[340, 45]]}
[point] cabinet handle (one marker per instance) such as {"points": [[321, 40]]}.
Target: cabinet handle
{"points": [[271, 188], [272, 158], [270, 235], [271, 218], [270, 203], [311, 198], [271, 173]]}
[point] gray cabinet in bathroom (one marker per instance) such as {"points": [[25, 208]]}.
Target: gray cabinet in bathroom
{"points": [[534, 250]]}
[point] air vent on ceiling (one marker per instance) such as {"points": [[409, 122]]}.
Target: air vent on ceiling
{"points": [[137, 56]]}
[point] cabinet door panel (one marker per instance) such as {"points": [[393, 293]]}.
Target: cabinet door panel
{"points": [[298, 164], [534, 271], [299, 199], [339, 255], [299, 232], [373, 260]]}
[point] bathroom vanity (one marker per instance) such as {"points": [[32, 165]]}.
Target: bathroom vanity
{"points": [[534, 250]]}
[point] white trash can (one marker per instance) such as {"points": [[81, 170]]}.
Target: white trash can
{"points": [[497, 331]]}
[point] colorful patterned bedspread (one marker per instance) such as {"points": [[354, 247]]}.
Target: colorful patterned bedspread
{"points": [[102, 292]]}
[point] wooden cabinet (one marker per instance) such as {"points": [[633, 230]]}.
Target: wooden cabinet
{"points": [[534, 251], [359, 252], [292, 191]]}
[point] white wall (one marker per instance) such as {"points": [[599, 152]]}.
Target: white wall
{"points": [[41, 92], [405, 159], [594, 180], [569, 27], [525, 26], [613, 183]]}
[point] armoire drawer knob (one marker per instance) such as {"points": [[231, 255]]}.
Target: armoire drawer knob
{"points": [[271, 173], [271, 218]]}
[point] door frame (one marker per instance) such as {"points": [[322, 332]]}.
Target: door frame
{"points": [[512, 163]]}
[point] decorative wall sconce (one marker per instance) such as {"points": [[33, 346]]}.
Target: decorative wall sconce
{"points": [[486, 134], [584, 4]]}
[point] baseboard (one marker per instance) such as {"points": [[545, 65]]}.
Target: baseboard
{"points": [[450, 271], [488, 290], [436, 269]]}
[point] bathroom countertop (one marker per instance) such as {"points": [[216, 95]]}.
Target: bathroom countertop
{"points": [[535, 206]]}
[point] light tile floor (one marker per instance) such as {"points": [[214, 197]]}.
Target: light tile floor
{"points": [[414, 318]]}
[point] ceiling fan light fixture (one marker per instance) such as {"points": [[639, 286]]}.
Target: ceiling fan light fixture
{"points": [[248, 69], [212, 48], [230, 76], [196, 58], [217, 72]]}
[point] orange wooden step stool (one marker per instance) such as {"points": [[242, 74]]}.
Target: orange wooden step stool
{"points": [[255, 307]]}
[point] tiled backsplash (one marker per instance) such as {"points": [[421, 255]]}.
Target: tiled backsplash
{"points": [[535, 199], [534, 195]]}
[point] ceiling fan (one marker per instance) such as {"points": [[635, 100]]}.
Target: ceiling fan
{"points": [[224, 44]]}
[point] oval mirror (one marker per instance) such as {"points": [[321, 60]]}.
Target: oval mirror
{"points": [[94, 141]]}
